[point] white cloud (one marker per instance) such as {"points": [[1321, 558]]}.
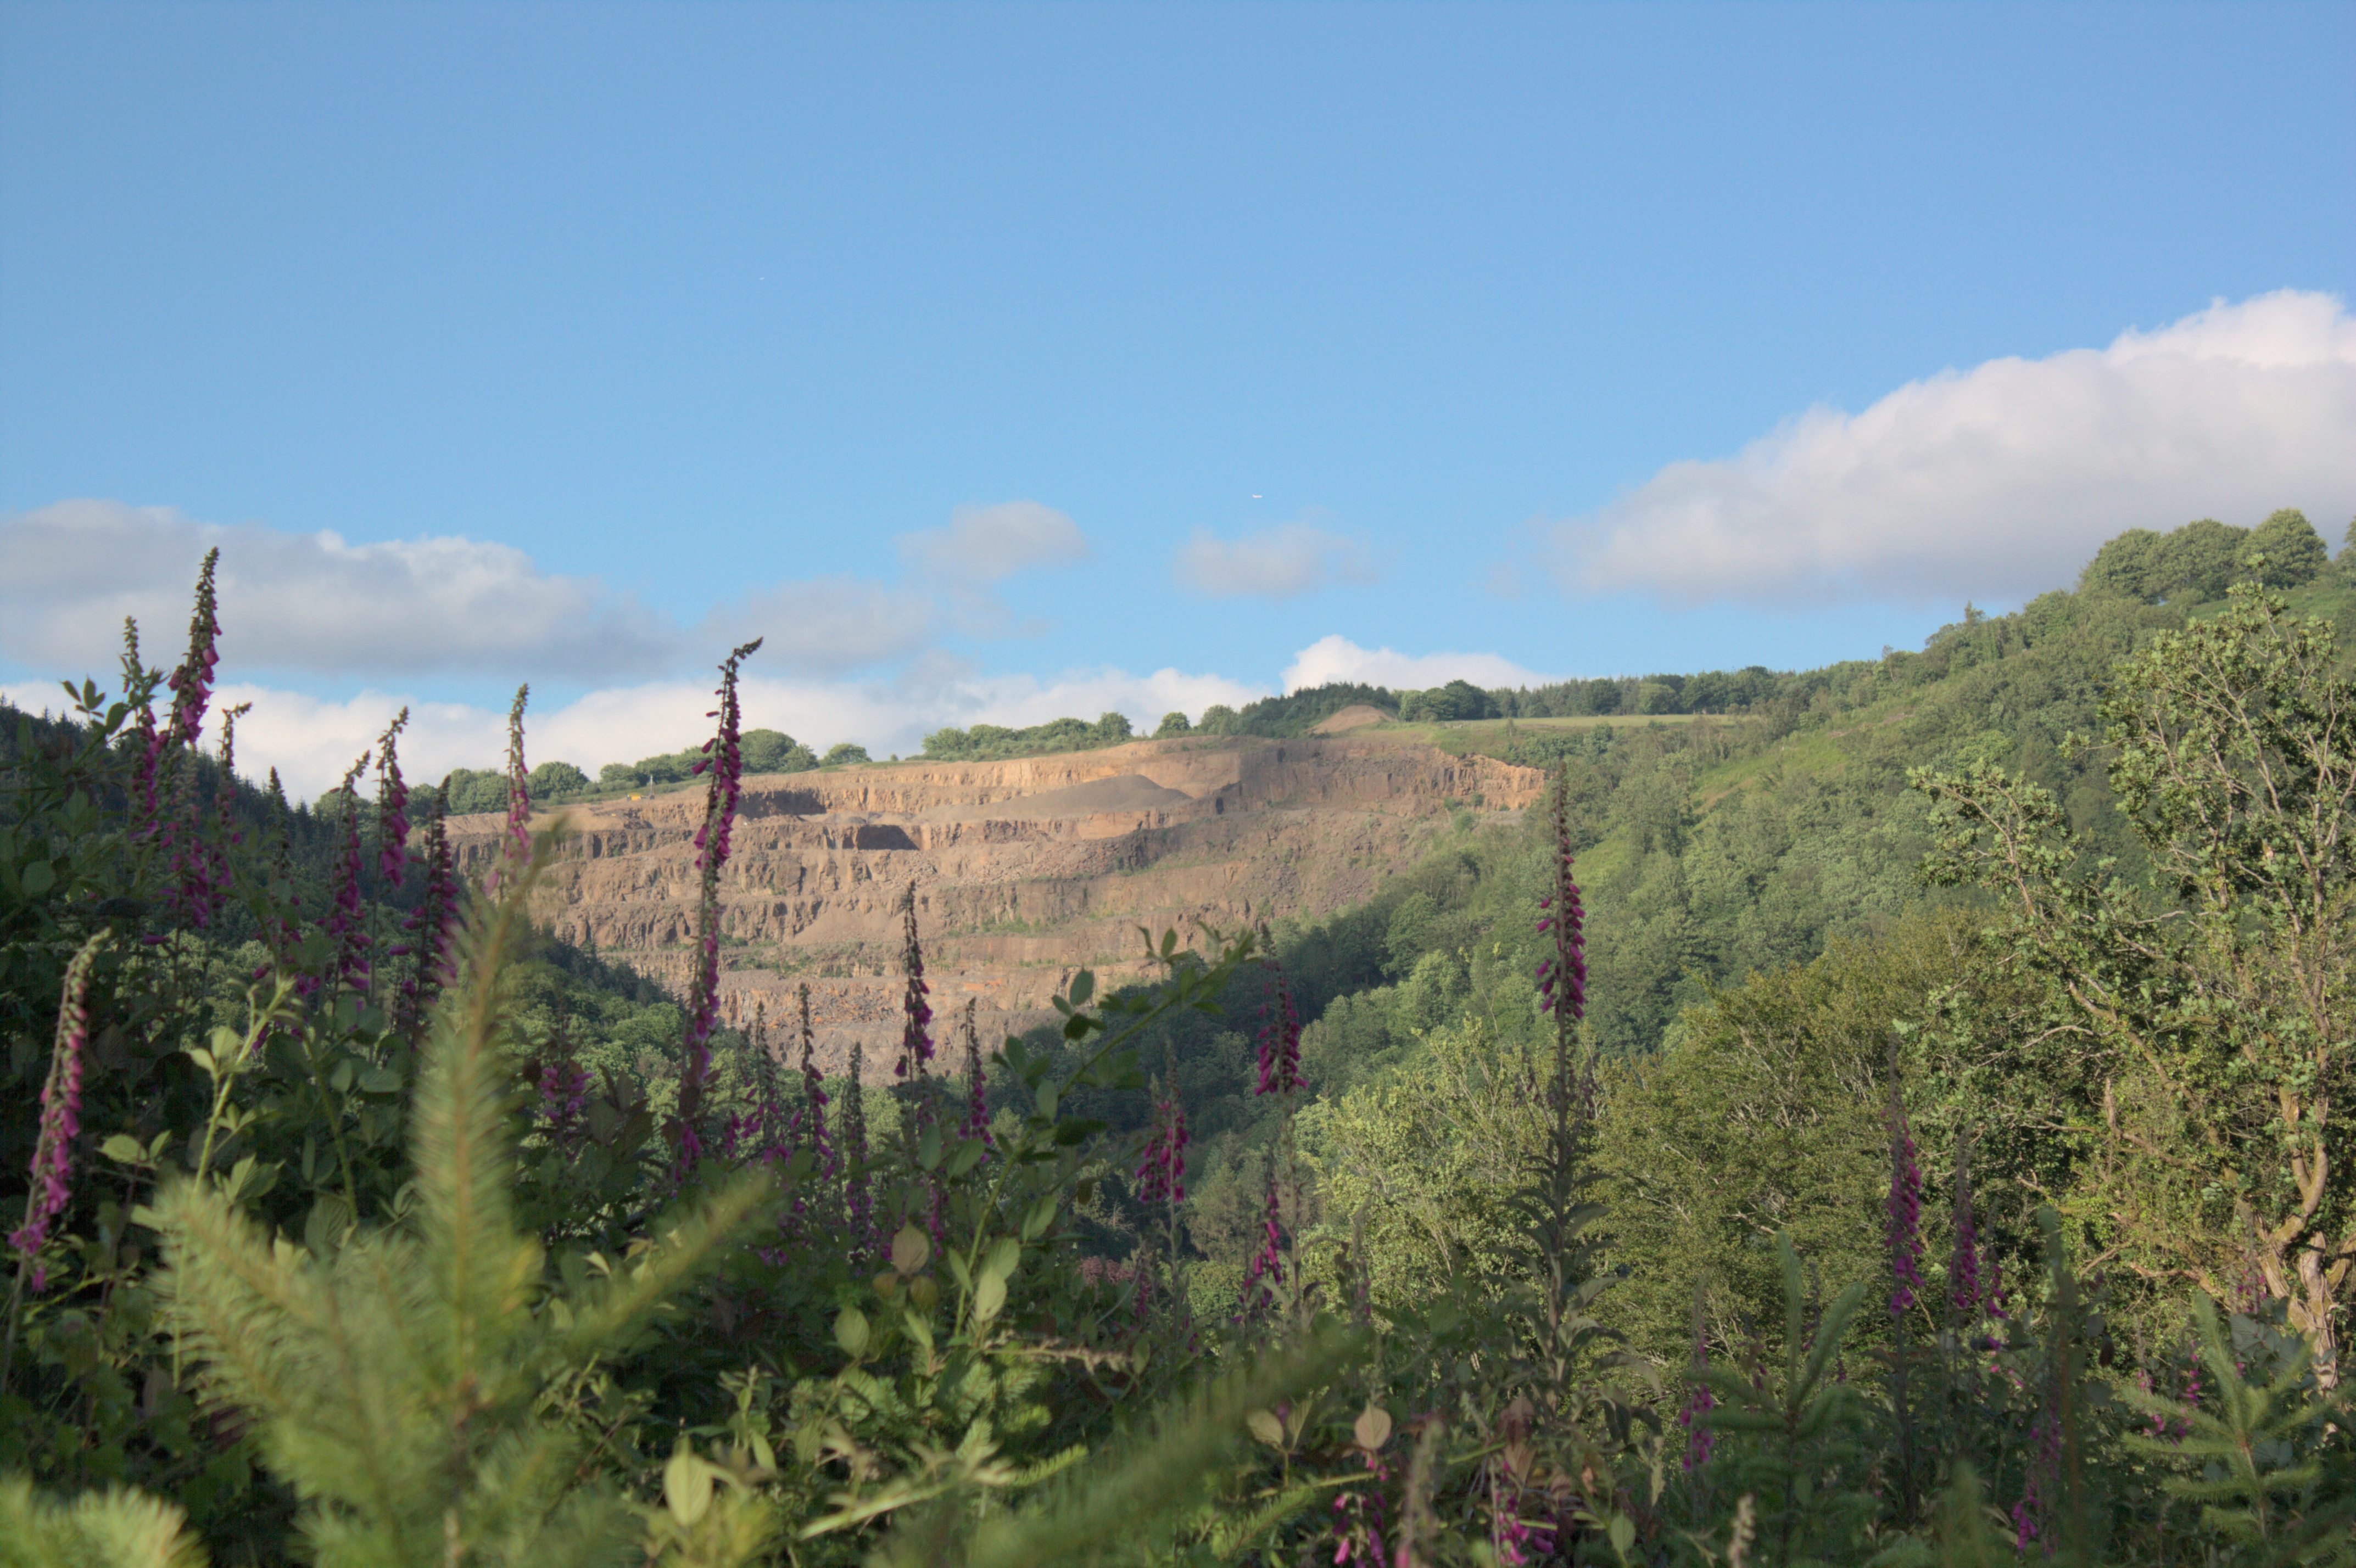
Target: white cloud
{"points": [[2000, 481], [1292, 557], [987, 544], [1336, 659], [70, 572], [312, 740], [313, 604], [829, 626]]}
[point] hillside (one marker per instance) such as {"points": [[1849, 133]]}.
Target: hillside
{"points": [[1025, 870]]}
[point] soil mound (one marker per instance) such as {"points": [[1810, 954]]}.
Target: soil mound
{"points": [[1356, 716]]}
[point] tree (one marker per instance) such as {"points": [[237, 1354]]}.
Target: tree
{"points": [[844, 753], [1172, 723], [2129, 565], [2294, 552], [1112, 727], [1458, 700], [552, 779], [2210, 1009], [2201, 560], [774, 751], [472, 791]]}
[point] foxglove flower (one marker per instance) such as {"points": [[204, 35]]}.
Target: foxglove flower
{"points": [[977, 1084], [346, 914], [146, 737], [1562, 973], [915, 1043], [1904, 1205], [1280, 1042], [431, 930], [518, 830], [1266, 1270], [1162, 1171], [725, 764], [201, 862], [1964, 1262], [855, 1196], [813, 1122], [192, 683], [392, 808], [52, 1169]]}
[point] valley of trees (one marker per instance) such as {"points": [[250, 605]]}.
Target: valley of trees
{"points": [[1886, 1113]]}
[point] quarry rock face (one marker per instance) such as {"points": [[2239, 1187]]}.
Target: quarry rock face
{"points": [[1024, 870]]}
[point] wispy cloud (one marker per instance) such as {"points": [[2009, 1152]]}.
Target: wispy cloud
{"points": [[829, 626], [1277, 563], [2002, 480], [990, 544]]}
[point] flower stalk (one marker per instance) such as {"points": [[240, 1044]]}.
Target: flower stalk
{"points": [[724, 762]]}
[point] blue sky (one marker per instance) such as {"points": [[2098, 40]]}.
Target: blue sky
{"points": [[1002, 360]]}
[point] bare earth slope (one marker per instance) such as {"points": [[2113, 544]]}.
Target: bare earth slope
{"points": [[1024, 870]]}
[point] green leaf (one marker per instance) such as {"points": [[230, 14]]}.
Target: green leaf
{"points": [[122, 1146], [687, 1485], [989, 1295], [850, 1331], [39, 878], [910, 1248], [1084, 985]]}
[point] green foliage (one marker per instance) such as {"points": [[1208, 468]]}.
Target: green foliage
{"points": [[551, 779], [2128, 565], [1420, 1165], [1458, 700], [2284, 552], [845, 753], [992, 742], [119, 1528], [1795, 1425], [1296, 712], [764, 751], [1172, 723], [2259, 1460], [2201, 560], [2209, 1000], [397, 1373], [466, 791], [427, 1290]]}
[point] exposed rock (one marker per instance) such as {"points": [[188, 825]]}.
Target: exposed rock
{"points": [[1025, 870]]}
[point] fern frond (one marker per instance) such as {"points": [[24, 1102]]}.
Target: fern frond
{"points": [[690, 1243], [1230, 1537], [462, 1158], [119, 1528]]}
